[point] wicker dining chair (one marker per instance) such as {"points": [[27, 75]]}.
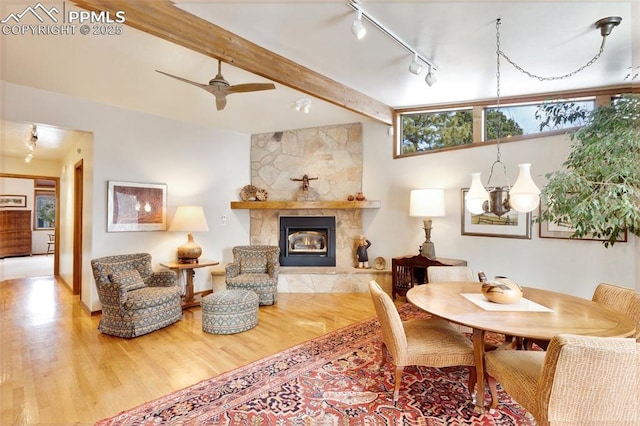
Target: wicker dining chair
{"points": [[429, 342], [449, 273], [579, 380], [622, 299]]}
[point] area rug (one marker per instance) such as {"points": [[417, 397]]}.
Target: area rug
{"points": [[331, 380]]}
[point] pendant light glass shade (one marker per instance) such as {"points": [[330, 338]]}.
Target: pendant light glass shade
{"points": [[524, 195], [476, 196]]}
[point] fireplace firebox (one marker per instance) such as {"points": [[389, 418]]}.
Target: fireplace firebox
{"points": [[307, 241]]}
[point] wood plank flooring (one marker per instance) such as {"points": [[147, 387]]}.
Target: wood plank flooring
{"points": [[58, 369]]}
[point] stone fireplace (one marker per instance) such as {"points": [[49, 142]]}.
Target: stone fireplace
{"points": [[333, 155], [331, 158]]}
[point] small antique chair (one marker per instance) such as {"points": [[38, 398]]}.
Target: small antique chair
{"points": [[51, 243], [135, 300], [255, 268]]}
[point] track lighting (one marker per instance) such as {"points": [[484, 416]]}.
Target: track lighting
{"points": [[430, 79], [303, 104], [415, 67], [31, 144], [357, 28]]}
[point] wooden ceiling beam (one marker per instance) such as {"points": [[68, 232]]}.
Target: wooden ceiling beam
{"points": [[162, 18]]}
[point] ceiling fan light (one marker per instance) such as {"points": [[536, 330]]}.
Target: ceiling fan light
{"points": [[357, 27], [415, 67]]}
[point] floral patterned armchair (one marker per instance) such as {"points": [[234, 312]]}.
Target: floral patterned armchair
{"points": [[255, 268], [135, 300]]}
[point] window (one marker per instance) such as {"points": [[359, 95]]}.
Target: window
{"points": [[45, 206], [426, 131], [423, 131], [528, 119]]}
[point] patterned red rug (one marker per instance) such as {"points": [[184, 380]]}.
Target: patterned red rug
{"points": [[330, 380]]}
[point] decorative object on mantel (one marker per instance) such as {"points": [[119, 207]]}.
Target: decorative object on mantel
{"points": [[191, 219], [502, 290], [350, 197], [253, 193], [305, 193], [427, 203], [379, 263], [360, 196]]}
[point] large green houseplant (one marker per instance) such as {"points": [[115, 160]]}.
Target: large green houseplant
{"points": [[598, 192]]}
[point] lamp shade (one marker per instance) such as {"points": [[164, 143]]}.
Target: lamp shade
{"points": [[189, 218], [524, 195], [426, 203], [476, 196]]}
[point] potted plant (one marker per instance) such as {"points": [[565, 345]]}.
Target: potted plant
{"points": [[598, 192]]}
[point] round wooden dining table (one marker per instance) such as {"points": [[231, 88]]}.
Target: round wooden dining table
{"points": [[541, 314]]}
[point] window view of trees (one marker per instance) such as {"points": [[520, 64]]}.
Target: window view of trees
{"points": [[434, 130], [426, 131]]}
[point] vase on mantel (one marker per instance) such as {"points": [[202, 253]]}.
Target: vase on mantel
{"points": [[360, 196]]}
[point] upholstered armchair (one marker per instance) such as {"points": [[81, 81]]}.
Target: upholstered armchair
{"points": [[135, 300], [579, 380], [255, 268]]}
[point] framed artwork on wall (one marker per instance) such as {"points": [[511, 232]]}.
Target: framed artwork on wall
{"points": [[510, 225], [13, 201], [135, 206], [564, 231]]}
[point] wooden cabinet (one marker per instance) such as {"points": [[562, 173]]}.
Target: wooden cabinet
{"points": [[15, 233], [408, 271]]}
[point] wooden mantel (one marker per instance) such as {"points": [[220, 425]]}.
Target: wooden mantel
{"points": [[304, 205]]}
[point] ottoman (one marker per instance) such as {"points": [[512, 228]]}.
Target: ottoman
{"points": [[229, 311]]}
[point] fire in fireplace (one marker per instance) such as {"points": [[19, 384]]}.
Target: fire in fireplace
{"points": [[307, 241]]}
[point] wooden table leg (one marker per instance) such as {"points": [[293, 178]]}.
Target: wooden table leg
{"points": [[188, 297], [478, 354]]}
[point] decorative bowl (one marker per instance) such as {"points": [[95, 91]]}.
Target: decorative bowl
{"points": [[502, 290]]}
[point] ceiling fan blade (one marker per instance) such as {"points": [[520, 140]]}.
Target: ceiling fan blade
{"points": [[250, 87], [202, 86]]}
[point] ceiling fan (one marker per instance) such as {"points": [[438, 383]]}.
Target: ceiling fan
{"points": [[220, 88]]}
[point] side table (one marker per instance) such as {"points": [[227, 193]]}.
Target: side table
{"points": [[190, 299], [407, 271]]}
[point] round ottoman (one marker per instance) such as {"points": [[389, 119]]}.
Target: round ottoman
{"points": [[229, 311]]}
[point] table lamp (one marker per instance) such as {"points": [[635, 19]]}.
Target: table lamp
{"points": [[190, 219], [427, 203]]}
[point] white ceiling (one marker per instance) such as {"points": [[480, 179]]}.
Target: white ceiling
{"points": [[547, 38]]}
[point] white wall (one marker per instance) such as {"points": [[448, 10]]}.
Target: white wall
{"points": [[200, 165], [569, 266]]}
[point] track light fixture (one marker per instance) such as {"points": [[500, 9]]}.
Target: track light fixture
{"points": [[357, 28], [415, 67], [303, 104], [31, 144], [430, 79]]}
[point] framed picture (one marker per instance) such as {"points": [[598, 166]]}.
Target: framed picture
{"points": [[564, 231], [45, 210], [510, 225], [13, 201], [136, 207]]}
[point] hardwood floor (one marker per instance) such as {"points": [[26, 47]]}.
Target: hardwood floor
{"points": [[58, 369]]}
